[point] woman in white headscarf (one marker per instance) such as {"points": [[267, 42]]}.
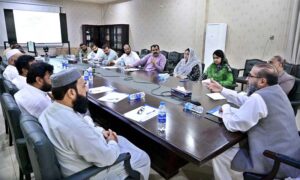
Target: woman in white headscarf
{"points": [[189, 67]]}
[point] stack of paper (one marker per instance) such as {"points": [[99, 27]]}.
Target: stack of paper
{"points": [[131, 69], [101, 89], [109, 67], [141, 116], [216, 96], [113, 97]]}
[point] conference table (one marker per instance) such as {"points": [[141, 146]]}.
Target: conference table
{"points": [[188, 137]]}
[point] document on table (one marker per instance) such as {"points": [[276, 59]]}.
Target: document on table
{"points": [[131, 69], [216, 111], [109, 67], [147, 113], [101, 89], [113, 97], [216, 96]]}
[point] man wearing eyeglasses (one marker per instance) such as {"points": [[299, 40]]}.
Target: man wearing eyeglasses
{"points": [[267, 117], [154, 61]]}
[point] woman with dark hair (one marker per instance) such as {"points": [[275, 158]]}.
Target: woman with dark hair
{"points": [[189, 67], [220, 70]]}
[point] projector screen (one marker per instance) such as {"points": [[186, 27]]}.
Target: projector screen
{"points": [[39, 27]]}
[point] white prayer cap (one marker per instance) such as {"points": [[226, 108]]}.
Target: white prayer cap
{"points": [[11, 53]]}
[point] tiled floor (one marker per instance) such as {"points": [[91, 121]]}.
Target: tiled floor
{"points": [[9, 169]]}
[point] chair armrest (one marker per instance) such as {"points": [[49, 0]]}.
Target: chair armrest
{"points": [[295, 103], [21, 142], [93, 170], [282, 158]]}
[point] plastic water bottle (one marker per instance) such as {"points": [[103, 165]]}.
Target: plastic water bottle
{"points": [[66, 64], [80, 56], [193, 108], [136, 96], [90, 75], [63, 63], [162, 117], [86, 78]]}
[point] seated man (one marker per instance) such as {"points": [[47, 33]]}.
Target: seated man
{"points": [[128, 58], [109, 56], [23, 64], [33, 98], [84, 51], [152, 62], [11, 71], [95, 55], [285, 81], [78, 143], [266, 115]]}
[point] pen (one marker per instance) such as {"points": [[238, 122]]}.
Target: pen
{"points": [[150, 112]]}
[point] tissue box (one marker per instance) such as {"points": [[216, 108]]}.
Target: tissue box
{"points": [[184, 95]]}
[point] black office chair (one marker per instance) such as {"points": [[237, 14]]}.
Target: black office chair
{"points": [[294, 95], [289, 68], [165, 53], [235, 74], [43, 158], [13, 113], [173, 59], [2, 68], [144, 52], [10, 87], [278, 159], [248, 66]]}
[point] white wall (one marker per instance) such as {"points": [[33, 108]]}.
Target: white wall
{"points": [[173, 24], [177, 24]]}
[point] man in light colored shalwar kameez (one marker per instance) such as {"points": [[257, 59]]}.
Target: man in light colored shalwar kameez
{"points": [[267, 117], [78, 143]]}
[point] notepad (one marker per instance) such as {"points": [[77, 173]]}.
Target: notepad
{"points": [[113, 97], [147, 113], [109, 67], [101, 89], [131, 69], [216, 96]]}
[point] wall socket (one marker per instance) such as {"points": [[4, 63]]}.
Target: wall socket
{"points": [[272, 37]]}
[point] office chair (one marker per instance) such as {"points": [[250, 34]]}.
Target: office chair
{"points": [[144, 52], [235, 73], [10, 87], [13, 113], [248, 66], [165, 53], [43, 158], [294, 96], [173, 59]]}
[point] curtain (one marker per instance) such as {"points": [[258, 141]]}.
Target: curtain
{"points": [[293, 44]]}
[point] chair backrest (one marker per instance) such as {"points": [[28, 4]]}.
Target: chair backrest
{"points": [[249, 64], [12, 111], [294, 94], [2, 89], [10, 87], [235, 73], [144, 52], [289, 68], [2, 68], [41, 151], [174, 57], [165, 53], [296, 72]]}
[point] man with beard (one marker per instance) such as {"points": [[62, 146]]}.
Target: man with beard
{"points": [[23, 65], [83, 51], [109, 56], [33, 98], [128, 58], [95, 55], [153, 61], [78, 143], [11, 71], [267, 117]]}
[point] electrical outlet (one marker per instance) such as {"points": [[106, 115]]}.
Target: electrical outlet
{"points": [[272, 37]]}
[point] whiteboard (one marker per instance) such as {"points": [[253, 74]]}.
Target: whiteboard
{"points": [[215, 38]]}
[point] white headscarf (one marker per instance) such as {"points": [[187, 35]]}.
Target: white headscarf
{"points": [[184, 68]]}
